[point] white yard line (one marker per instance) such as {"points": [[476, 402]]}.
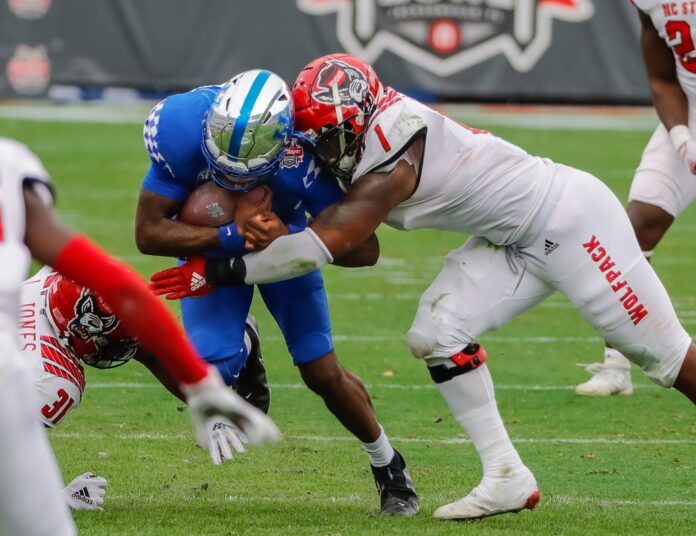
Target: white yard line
{"points": [[540, 118], [396, 386], [550, 500], [142, 436]]}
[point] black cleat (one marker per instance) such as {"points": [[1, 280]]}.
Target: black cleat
{"points": [[252, 384], [395, 487]]}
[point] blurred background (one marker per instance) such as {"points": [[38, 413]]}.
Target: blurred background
{"points": [[519, 51]]}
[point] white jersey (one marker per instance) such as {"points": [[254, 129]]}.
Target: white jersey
{"points": [[470, 181], [58, 376], [676, 24], [17, 164]]}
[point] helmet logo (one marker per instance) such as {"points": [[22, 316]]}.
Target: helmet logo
{"points": [[350, 82], [90, 321]]}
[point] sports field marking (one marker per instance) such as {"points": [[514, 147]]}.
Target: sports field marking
{"points": [[547, 500], [396, 386], [142, 436], [538, 118]]}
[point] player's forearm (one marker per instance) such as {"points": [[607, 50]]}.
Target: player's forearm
{"points": [[366, 254], [670, 102], [142, 315], [159, 372], [286, 258], [171, 238]]}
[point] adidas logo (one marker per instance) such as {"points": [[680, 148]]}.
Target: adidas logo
{"points": [[82, 495], [197, 281], [549, 247]]}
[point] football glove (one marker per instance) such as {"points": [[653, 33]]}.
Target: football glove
{"points": [[223, 435], [187, 280], [210, 401], [86, 492]]}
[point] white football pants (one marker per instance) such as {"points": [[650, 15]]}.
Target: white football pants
{"points": [[31, 503]]}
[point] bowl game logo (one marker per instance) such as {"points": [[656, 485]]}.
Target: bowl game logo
{"points": [[29, 70], [448, 36], [293, 156], [29, 9]]}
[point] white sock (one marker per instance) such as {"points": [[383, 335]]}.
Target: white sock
{"points": [[648, 254], [471, 400], [381, 451], [614, 358]]}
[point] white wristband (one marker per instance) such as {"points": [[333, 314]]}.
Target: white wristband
{"points": [[679, 134]]}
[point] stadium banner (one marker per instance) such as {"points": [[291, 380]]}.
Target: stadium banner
{"points": [[520, 50]]}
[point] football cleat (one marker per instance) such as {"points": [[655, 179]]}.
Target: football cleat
{"points": [[495, 495], [606, 380], [395, 487], [252, 384]]}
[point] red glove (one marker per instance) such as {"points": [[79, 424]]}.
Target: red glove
{"points": [[187, 280]]}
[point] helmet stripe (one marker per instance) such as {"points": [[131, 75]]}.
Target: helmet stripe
{"points": [[245, 112]]}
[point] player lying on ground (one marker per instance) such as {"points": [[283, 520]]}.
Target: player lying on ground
{"points": [[536, 227], [664, 184], [247, 139], [63, 326], [28, 227]]}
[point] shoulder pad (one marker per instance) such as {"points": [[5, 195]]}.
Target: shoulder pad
{"points": [[21, 162], [646, 5], [173, 129], [389, 133]]}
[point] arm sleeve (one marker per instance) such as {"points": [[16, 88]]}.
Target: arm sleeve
{"points": [[143, 315], [286, 258]]}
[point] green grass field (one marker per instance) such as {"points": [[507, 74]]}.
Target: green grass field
{"points": [[625, 465]]}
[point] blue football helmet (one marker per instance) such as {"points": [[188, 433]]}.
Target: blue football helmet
{"points": [[248, 129]]}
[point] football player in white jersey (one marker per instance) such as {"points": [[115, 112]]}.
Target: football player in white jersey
{"points": [[28, 472], [536, 227], [664, 183], [63, 326]]}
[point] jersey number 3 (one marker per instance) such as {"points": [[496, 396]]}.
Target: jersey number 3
{"points": [[60, 407], [685, 47]]}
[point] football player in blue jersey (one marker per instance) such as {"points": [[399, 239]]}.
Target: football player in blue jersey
{"points": [[240, 135]]}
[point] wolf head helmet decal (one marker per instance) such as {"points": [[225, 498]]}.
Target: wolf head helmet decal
{"points": [[448, 36]]}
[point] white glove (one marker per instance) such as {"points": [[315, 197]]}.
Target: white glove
{"points": [[687, 152], [86, 492], [211, 401], [221, 436]]}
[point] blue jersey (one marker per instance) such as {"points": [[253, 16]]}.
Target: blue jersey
{"points": [[215, 322], [172, 136]]}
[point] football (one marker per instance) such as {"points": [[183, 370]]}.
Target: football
{"points": [[209, 206]]}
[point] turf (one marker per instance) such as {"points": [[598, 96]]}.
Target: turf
{"points": [[624, 465]]}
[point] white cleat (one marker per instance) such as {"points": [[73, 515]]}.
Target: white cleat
{"points": [[493, 496], [606, 380]]}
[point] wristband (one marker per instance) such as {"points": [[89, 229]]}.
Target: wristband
{"points": [[679, 134], [230, 239], [225, 272]]}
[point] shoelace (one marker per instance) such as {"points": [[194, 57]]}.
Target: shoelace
{"points": [[514, 253]]}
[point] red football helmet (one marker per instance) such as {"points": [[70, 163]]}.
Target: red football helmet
{"points": [[88, 324], [334, 97]]}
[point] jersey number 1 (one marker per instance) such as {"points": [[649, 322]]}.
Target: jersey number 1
{"points": [[682, 29], [382, 139]]}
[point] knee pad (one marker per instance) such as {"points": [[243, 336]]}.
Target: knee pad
{"points": [[470, 358], [420, 345]]}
